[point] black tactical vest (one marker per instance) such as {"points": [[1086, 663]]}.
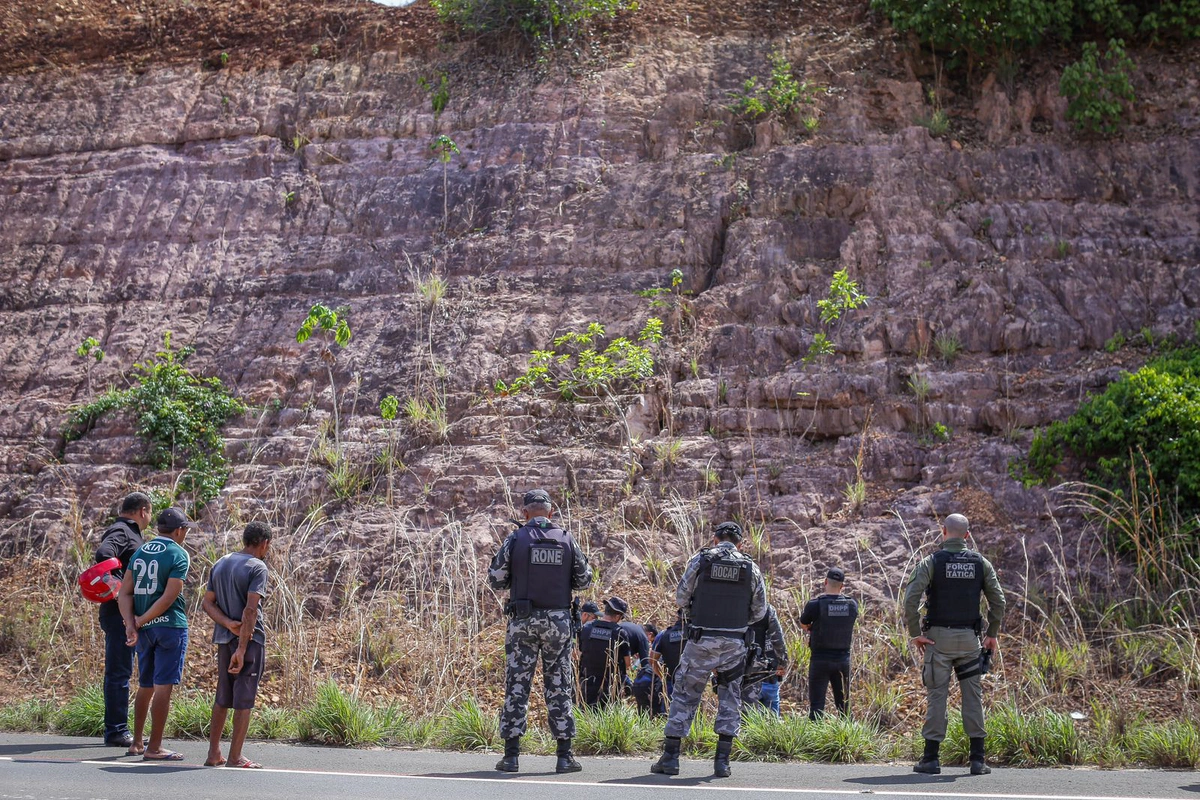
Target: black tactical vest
{"points": [[723, 591], [952, 598], [541, 563], [834, 625], [670, 647], [600, 637]]}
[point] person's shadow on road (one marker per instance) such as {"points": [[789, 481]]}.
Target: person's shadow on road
{"points": [[664, 780], [157, 769], [31, 748], [1195, 787], [904, 780]]}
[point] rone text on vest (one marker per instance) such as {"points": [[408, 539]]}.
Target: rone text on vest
{"points": [[546, 556]]}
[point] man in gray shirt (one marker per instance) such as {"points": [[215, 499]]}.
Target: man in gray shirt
{"points": [[236, 589]]}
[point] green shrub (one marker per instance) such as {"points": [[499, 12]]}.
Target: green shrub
{"points": [[1153, 414], [781, 96], [987, 31], [178, 415], [615, 729], [32, 716], [1170, 744], [553, 23], [1097, 87], [842, 741], [468, 727], [335, 717], [1177, 18], [272, 723], [191, 717], [1033, 739], [83, 715]]}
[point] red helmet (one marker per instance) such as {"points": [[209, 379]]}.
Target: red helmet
{"points": [[98, 583]]}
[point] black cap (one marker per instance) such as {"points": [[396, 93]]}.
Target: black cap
{"points": [[730, 530], [589, 608], [836, 575], [535, 496], [171, 518], [615, 605]]}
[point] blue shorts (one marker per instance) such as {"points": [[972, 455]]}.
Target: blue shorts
{"points": [[160, 653]]}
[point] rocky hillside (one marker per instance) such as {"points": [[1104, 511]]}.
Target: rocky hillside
{"points": [[220, 198]]}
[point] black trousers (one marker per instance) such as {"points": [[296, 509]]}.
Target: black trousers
{"points": [[118, 666], [824, 672]]}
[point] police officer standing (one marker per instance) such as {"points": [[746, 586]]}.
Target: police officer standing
{"points": [[724, 593], [604, 652], [766, 663], [540, 564], [829, 620], [952, 580]]}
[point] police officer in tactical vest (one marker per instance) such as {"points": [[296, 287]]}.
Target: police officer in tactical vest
{"points": [[952, 581], [724, 593], [829, 620], [766, 664], [540, 564], [664, 663], [604, 652]]}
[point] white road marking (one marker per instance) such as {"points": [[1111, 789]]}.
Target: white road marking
{"points": [[924, 793]]}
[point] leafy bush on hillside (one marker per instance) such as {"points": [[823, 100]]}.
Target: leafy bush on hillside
{"points": [[550, 23], [1097, 88], [178, 415], [1177, 18], [1154, 412], [987, 31]]}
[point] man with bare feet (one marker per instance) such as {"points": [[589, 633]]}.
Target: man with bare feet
{"points": [[236, 589], [152, 606]]}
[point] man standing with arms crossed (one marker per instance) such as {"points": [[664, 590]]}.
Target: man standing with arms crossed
{"points": [[952, 580], [120, 541], [236, 588], [152, 606]]}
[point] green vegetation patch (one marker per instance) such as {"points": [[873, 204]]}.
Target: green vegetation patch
{"points": [[1144, 427], [178, 414]]}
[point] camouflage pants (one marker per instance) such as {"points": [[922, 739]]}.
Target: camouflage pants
{"points": [[699, 660], [545, 634]]}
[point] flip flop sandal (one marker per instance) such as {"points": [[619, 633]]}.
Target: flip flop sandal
{"points": [[246, 764], [167, 756], [220, 763]]}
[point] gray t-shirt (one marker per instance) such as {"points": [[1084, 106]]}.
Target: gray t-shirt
{"points": [[233, 577]]}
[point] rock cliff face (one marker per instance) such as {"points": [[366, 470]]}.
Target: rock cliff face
{"points": [[221, 204]]}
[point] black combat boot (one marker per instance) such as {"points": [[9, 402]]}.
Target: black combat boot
{"points": [[978, 765], [721, 762], [929, 764], [668, 762], [566, 759], [512, 749]]}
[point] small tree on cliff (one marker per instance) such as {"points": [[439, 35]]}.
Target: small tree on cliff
{"points": [[578, 368], [333, 330], [445, 149]]}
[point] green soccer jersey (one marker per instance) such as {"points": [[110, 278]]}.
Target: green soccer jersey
{"points": [[155, 562]]}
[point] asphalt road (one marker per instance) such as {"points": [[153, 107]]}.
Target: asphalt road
{"points": [[34, 767]]}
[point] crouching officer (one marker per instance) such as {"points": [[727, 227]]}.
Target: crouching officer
{"points": [[829, 620], [952, 580], [664, 663], [604, 655], [724, 593], [766, 663], [540, 564]]}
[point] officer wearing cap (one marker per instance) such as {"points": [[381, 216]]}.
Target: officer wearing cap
{"points": [[952, 581], [829, 620], [723, 593], [540, 564], [604, 655]]}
